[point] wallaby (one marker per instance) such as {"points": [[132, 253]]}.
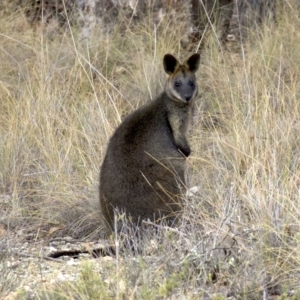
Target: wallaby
{"points": [[143, 173]]}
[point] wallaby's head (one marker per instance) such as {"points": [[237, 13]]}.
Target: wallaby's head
{"points": [[181, 86]]}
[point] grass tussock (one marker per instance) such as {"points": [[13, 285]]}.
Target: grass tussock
{"points": [[61, 99]]}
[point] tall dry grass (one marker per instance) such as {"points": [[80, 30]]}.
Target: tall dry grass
{"points": [[62, 98]]}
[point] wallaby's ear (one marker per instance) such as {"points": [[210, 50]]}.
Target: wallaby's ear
{"points": [[193, 62], [170, 63]]}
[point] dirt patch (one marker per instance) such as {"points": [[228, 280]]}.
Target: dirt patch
{"points": [[29, 267]]}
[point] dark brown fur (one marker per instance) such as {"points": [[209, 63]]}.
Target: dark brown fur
{"points": [[144, 168]]}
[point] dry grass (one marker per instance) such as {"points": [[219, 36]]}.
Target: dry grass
{"points": [[60, 100]]}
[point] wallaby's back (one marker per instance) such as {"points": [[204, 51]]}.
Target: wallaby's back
{"points": [[144, 167]]}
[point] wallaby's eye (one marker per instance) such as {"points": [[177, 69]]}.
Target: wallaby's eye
{"points": [[192, 84], [177, 83]]}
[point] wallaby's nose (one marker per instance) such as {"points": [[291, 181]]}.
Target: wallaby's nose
{"points": [[188, 98]]}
